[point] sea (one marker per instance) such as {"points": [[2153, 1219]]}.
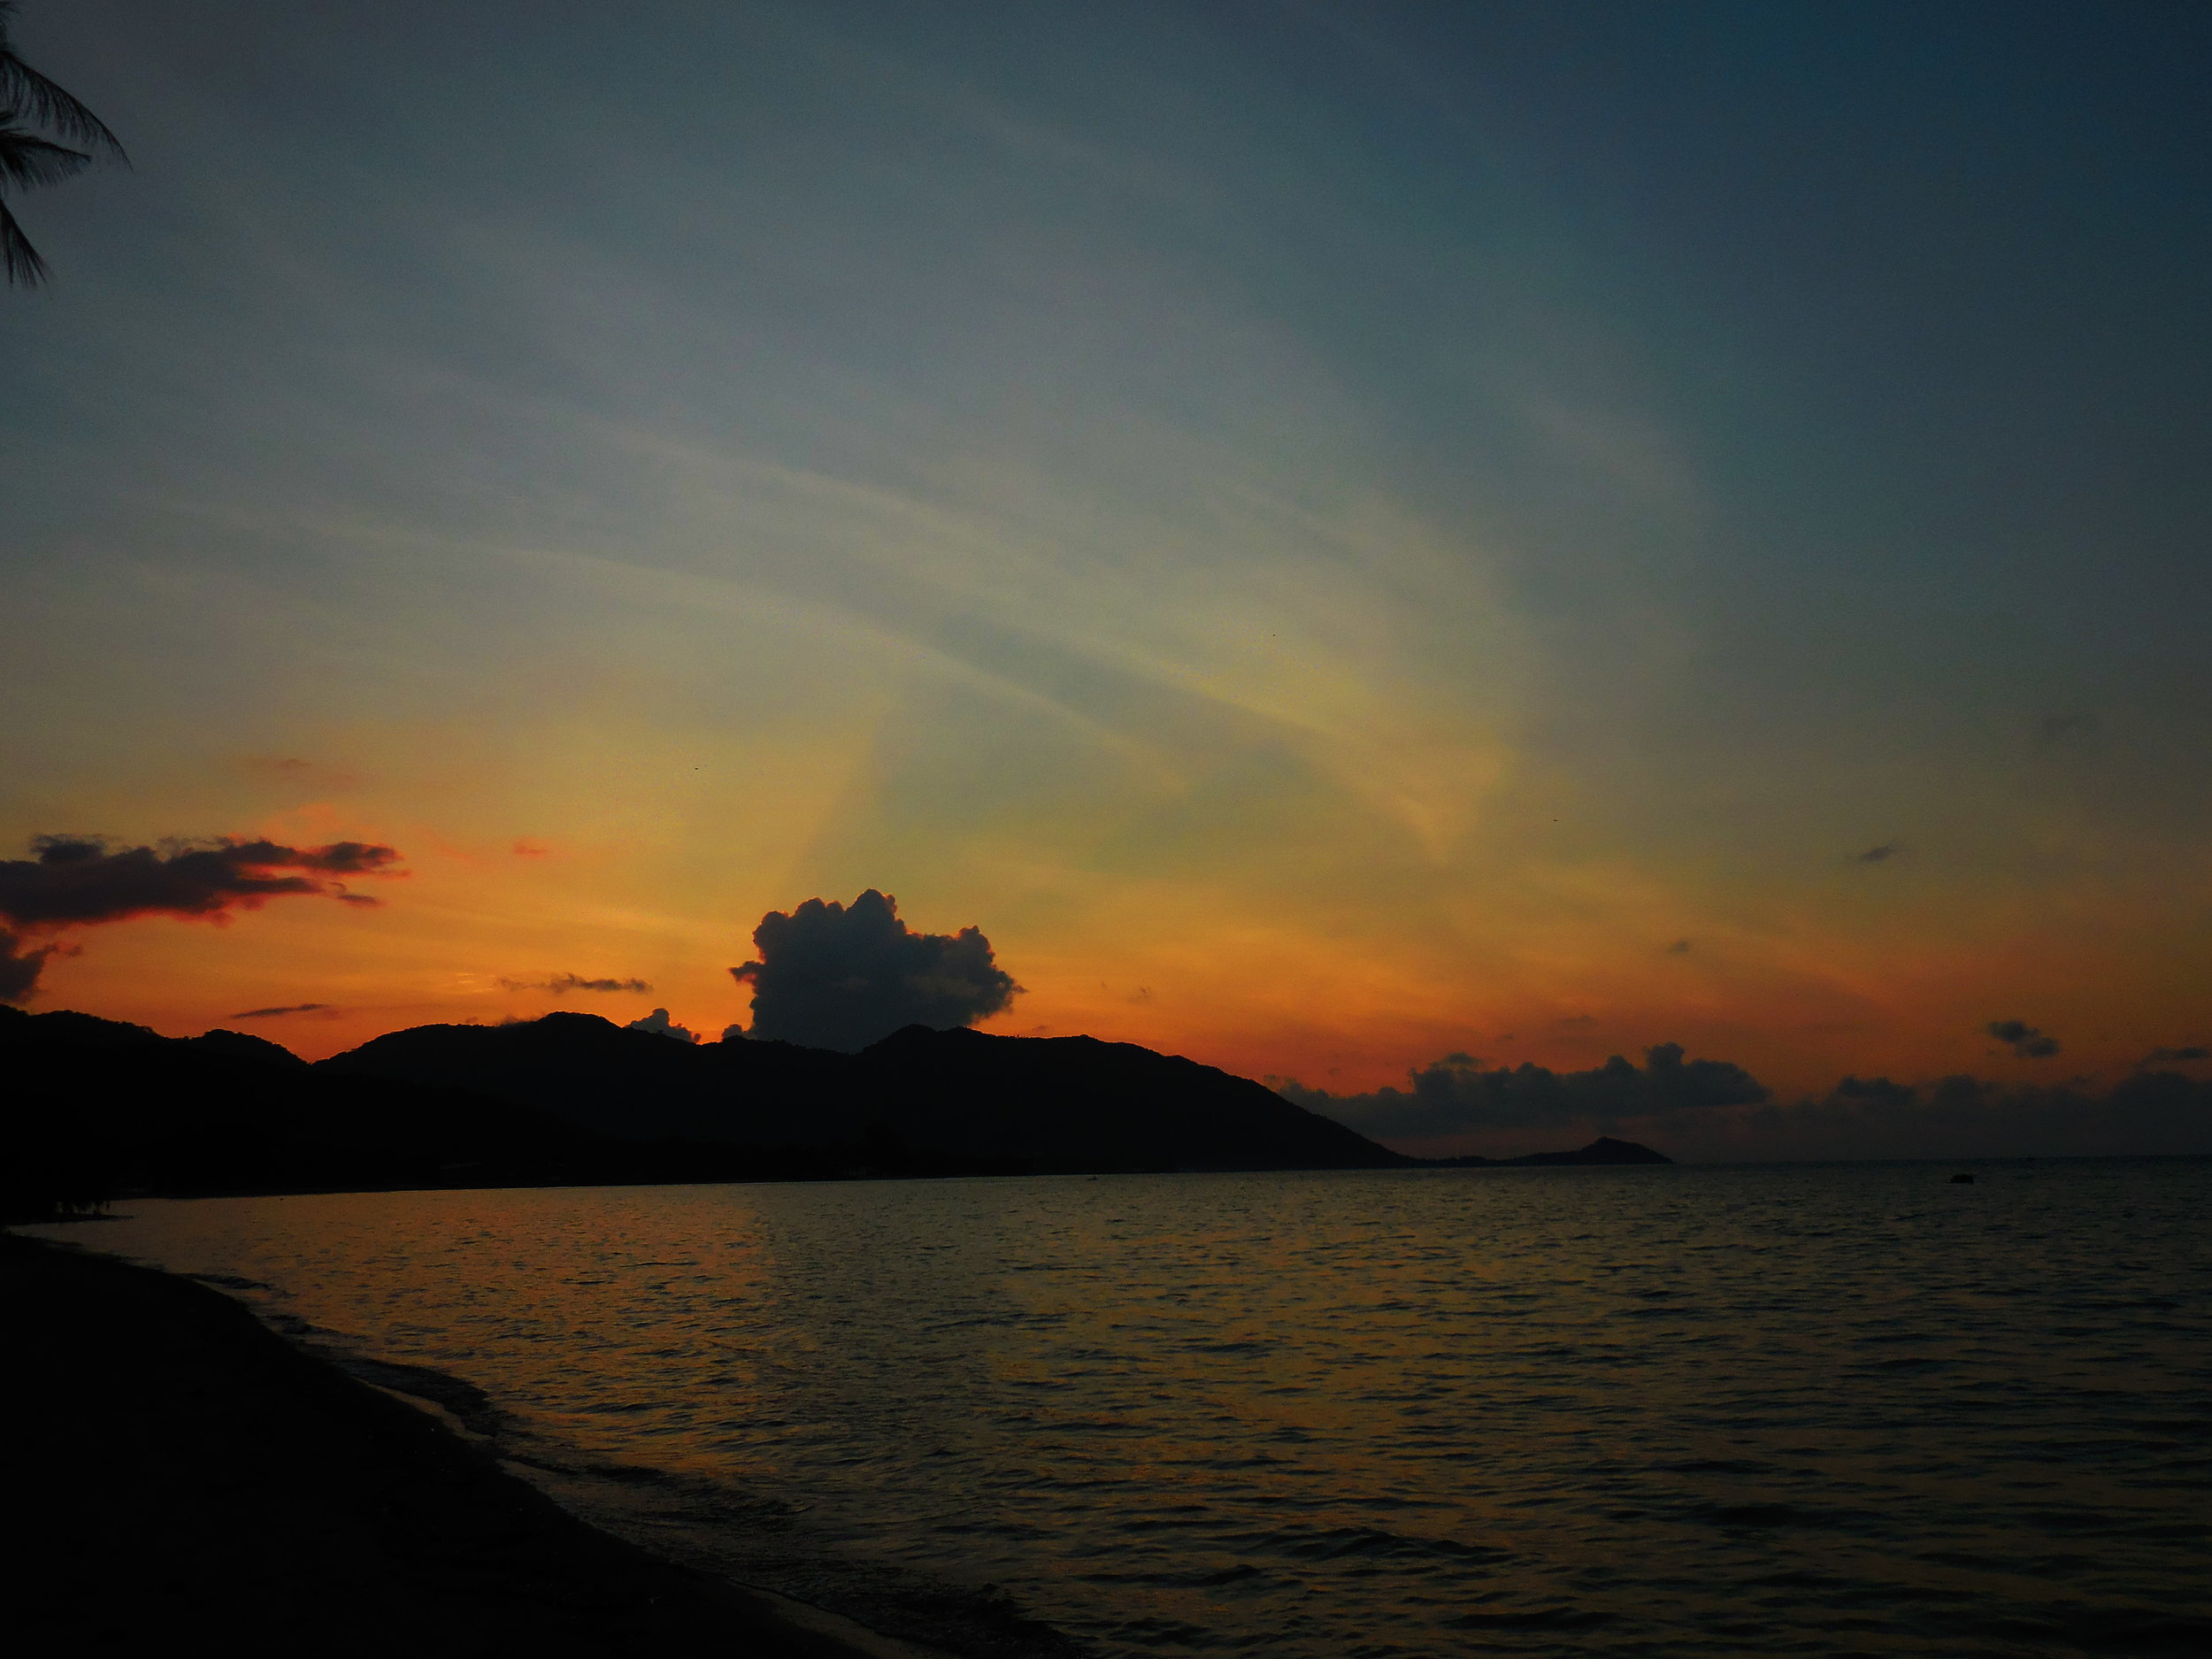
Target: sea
{"points": [[1804, 1410]]}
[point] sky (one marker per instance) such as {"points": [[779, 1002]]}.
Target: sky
{"points": [[1336, 535]]}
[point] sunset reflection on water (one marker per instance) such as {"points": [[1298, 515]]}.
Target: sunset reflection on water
{"points": [[1835, 1409]]}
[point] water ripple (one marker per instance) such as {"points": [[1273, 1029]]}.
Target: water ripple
{"points": [[1817, 1411]]}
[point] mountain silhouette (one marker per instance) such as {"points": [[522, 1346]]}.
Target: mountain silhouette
{"points": [[91, 1108], [611, 1080], [1034, 1103], [1078, 1103], [94, 1107]]}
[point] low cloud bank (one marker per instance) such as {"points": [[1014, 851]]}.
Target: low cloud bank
{"points": [[836, 976], [1459, 1095], [1712, 1110], [78, 882], [1970, 1117]]}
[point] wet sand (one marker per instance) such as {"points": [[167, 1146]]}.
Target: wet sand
{"points": [[172, 1470]]}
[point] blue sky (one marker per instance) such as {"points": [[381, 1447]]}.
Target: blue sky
{"points": [[1336, 533]]}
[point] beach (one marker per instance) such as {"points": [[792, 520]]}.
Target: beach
{"points": [[176, 1469]]}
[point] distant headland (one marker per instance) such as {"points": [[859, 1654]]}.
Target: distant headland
{"points": [[99, 1107]]}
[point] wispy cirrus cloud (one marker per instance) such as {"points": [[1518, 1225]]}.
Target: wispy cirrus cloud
{"points": [[561, 984]]}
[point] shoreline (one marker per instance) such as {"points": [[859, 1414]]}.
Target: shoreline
{"points": [[176, 1466]]}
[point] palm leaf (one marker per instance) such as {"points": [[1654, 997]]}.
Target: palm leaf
{"points": [[27, 161], [19, 261], [49, 105]]}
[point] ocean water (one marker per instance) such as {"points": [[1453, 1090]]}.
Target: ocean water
{"points": [[1824, 1409]]}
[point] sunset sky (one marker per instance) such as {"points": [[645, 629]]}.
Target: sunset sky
{"points": [[1334, 533]]}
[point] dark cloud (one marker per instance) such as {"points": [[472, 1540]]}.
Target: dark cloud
{"points": [[832, 976], [77, 882], [1962, 1116], [20, 962], [1880, 855], [2177, 1057], [658, 1023], [271, 1013], [1713, 1110], [1459, 1095], [560, 984], [2025, 1041]]}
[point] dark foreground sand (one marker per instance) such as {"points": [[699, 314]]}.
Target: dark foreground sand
{"points": [[174, 1473]]}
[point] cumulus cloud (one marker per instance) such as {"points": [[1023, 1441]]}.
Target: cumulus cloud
{"points": [[658, 1023], [79, 882], [835, 976], [271, 1013], [1459, 1095], [2023, 1039], [561, 984]]}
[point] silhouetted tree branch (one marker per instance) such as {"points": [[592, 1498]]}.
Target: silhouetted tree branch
{"points": [[28, 160]]}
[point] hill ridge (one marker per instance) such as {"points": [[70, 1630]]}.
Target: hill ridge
{"points": [[95, 1107]]}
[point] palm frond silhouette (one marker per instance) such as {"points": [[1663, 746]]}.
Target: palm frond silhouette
{"points": [[28, 101]]}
